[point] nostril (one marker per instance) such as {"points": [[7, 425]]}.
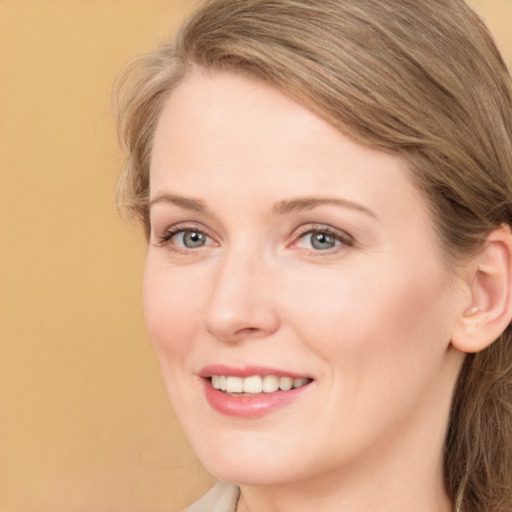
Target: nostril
{"points": [[249, 330]]}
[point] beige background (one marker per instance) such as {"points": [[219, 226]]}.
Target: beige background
{"points": [[85, 423]]}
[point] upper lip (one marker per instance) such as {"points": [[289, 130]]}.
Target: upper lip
{"points": [[247, 371]]}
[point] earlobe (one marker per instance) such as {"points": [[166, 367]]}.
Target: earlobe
{"points": [[490, 309]]}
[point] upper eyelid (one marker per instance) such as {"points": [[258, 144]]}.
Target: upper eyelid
{"points": [[319, 228], [166, 241], [163, 238], [184, 226]]}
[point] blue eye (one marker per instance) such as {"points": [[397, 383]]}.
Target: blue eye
{"points": [[322, 241], [318, 240], [190, 239], [184, 238]]}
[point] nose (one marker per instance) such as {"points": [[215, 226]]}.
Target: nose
{"points": [[241, 305]]}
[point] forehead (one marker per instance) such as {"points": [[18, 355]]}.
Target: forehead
{"points": [[228, 126]]}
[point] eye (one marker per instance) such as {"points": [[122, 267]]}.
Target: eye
{"points": [[184, 238], [321, 241], [190, 239], [318, 239]]}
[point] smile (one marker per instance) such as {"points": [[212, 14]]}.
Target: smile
{"points": [[256, 384]]}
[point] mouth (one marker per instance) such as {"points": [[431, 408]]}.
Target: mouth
{"points": [[256, 384], [252, 392]]}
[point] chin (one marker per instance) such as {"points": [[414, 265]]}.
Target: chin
{"points": [[242, 472], [243, 459]]}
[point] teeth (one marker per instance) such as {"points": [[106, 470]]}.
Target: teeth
{"points": [[253, 384], [298, 383], [256, 384], [234, 384], [285, 383], [270, 384]]}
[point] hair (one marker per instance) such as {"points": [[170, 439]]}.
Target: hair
{"points": [[420, 79]]}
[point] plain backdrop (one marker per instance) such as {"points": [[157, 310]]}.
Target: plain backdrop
{"points": [[85, 423]]}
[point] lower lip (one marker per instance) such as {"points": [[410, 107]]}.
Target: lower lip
{"points": [[251, 406]]}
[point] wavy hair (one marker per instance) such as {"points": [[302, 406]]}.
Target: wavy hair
{"points": [[421, 79]]}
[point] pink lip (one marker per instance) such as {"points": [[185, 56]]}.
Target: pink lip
{"points": [[252, 406], [246, 371]]}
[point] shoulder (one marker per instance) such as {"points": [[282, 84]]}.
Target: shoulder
{"points": [[221, 497]]}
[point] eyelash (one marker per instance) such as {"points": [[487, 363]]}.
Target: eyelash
{"points": [[164, 240], [344, 239]]}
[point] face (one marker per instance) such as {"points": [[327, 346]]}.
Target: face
{"points": [[285, 255]]}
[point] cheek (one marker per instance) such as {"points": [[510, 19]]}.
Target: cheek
{"points": [[384, 338], [171, 309], [368, 316]]}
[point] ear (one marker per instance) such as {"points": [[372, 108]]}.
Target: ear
{"points": [[490, 305]]}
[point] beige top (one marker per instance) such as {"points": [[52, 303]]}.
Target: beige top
{"points": [[221, 497]]}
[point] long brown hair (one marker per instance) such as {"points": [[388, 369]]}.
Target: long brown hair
{"points": [[422, 79]]}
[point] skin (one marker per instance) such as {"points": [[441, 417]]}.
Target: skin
{"points": [[370, 318]]}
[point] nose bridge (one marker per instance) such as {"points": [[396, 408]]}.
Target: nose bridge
{"points": [[241, 303]]}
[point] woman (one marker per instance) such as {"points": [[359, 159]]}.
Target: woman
{"points": [[326, 191]]}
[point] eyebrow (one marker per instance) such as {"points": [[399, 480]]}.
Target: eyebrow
{"points": [[187, 203], [308, 203], [280, 208]]}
